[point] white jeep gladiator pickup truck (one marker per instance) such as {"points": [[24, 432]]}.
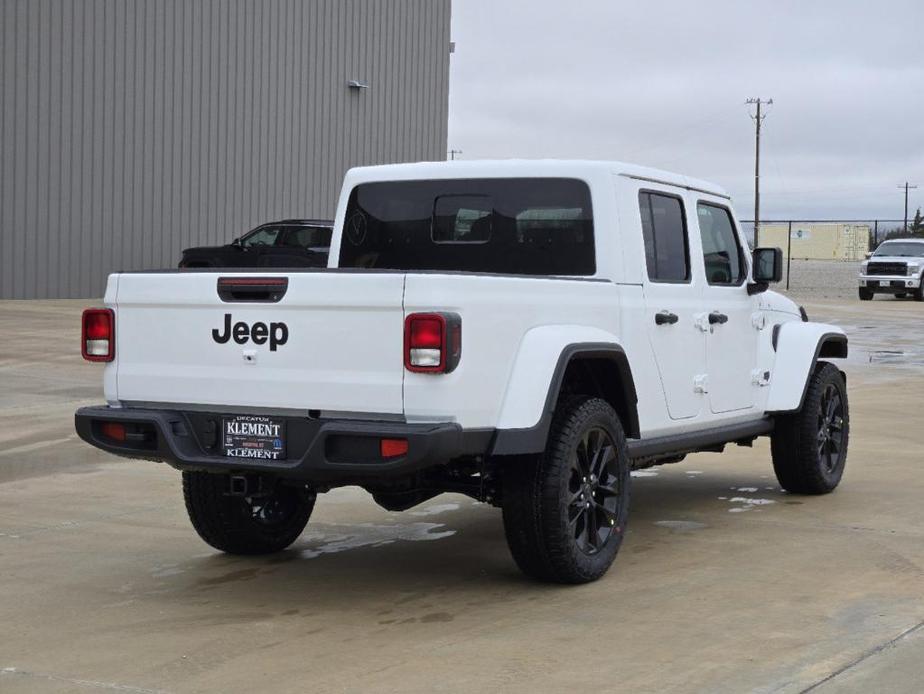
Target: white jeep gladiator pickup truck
{"points": [[523, 332]]}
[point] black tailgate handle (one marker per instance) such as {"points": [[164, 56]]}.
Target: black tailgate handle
{"points": [[267, 290]]}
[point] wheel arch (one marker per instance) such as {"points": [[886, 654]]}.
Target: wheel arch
{"points": [[799, 348], [597, 367]]}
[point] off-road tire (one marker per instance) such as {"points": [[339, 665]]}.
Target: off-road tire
{"points": [[542, 514], [919, 292], [865, 294], [803, 455], [239, 525]]}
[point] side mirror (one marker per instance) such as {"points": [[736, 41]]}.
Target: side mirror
{"points": [[869, 255], [767, 267]]}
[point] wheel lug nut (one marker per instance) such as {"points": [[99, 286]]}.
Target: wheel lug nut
{"points": [[583, 479], [587, 505], [612, 522]]}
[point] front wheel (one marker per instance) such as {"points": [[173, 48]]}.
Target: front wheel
{"points": [[865, 294], [919, 292], [565, 510], [809, 447], [245, 524]]}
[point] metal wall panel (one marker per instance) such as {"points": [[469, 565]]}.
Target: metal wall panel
{"points": [[131, 129]]}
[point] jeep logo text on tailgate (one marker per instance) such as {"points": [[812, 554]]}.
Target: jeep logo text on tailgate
{"points": [[276, 333]]}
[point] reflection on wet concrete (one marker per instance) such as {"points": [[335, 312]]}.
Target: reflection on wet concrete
{"points": [[896, 357], [330, 539], [886, 337]]}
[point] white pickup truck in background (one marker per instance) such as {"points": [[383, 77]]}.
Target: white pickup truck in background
{"points": [[523, 332], [896, 268]]}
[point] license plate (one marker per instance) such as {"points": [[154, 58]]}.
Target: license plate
{"points": [[261, 438]]}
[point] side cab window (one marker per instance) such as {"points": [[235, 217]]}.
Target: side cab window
{"points": [[261, 237], [723, 256], [664, 229]]}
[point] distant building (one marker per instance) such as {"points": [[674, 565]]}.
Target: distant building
{"points": [[818, 241]]}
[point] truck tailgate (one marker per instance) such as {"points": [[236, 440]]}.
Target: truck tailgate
{"points": [[333, 342]]}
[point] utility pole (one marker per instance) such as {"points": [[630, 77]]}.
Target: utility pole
{"points": [[758, 119], [453, 153], [906, 187]]}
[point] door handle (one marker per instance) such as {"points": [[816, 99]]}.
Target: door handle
{"points": [[665, 318], [716, 317]]}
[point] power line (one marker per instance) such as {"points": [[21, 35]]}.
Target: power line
{"points": [[906, 187], [758, 120]]}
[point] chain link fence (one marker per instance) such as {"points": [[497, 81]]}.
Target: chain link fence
{"points": [[822, 257]]}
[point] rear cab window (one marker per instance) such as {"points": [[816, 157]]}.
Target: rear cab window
{"points": [[523, 226]]}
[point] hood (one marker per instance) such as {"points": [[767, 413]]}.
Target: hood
{"points": [[774, 301], [910, 259]]}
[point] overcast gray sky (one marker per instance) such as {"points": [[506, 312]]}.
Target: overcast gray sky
{"points": [[664, 83]]}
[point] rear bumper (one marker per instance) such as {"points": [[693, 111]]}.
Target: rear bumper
{"points": [[320, 450]]}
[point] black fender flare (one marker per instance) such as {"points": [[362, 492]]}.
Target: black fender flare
{"points": [[533, 439]]}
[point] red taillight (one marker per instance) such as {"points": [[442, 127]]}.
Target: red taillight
{"points": [[427, 332], [97, 341], [392, 448], [432, 342], [113, 430]]}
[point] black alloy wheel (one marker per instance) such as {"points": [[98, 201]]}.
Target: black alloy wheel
{"points": [[831, 428], [596, 490]]}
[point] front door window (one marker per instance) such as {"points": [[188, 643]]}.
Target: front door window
{"points": [[722, 254]]}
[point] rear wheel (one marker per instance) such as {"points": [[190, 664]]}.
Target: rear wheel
{"points": [[565, 510], [809, 447], [865, 294], [245, 524]]}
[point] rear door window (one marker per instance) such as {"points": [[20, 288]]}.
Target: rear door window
{"points": [[524, 226], [664, 229]]}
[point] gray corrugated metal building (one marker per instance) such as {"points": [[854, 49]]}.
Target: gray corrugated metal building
{"points": [[131, 129]]}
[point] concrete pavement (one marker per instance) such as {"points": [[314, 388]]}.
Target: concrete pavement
{"points": [[724, 583]]}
